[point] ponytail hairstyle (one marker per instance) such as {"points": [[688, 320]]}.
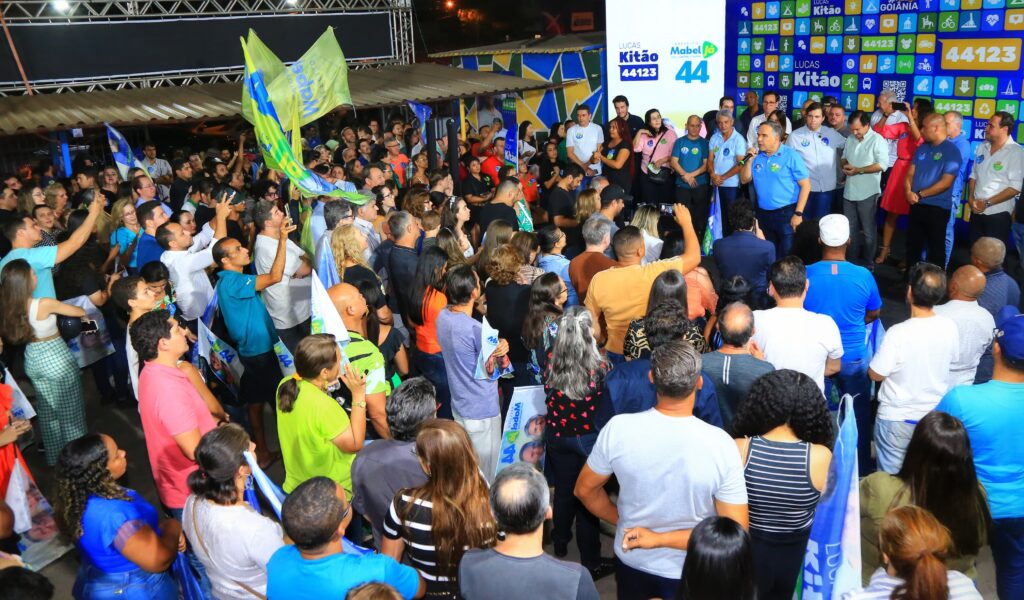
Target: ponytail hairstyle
{"points": [[314, 354], [82, 472], [219, 455], [916, 545], [575, 361], [15, 294]]}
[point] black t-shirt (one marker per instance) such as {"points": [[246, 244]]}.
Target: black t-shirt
{"points": [[547, 169], [561, 204], [203, 215], [494, 211], [5, 216], [471, 186], [621, 175], [506, 311], [235, 231], [179, 193], [402, 270]]}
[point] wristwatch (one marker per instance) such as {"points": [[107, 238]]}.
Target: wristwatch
{"points": [[798, 213], [360, 404]]}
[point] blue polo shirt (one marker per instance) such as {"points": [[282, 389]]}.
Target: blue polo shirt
{"points": [[726, 152], [845, 292], [295, 578], [245, 316], [776, 177], [147, 250], [964, 146], [42, 260], [691, 154], [930, 164]]}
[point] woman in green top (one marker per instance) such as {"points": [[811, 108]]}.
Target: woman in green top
{"points": [[937, 475], [316, 435]]}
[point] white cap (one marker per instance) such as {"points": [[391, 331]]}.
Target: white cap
{"points": [[834, 230]]}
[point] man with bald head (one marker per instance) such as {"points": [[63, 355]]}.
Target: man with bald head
{"points": [[974, 324], [363, 355], [735, 366], [929, 187], [988, 254]]}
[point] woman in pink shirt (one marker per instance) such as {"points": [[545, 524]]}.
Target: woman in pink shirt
{"points": [[654, 145]]}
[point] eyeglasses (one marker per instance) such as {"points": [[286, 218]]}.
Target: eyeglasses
{"points": [[564, 290]]}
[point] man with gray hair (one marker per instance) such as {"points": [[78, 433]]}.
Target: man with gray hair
{"points": [[517, 566], [664, 448], [386, 466], [598, 183], [725, 149], [402, 260], [782, 182], [988, 255], [336, 212], [735, 366], [889, 117], [597, 235]]}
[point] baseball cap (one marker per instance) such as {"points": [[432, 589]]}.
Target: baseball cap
{"points": [[614, 192], [834, 230], [1010, 334]]}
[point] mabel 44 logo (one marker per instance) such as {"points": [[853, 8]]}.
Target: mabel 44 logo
{"points": [[695, 63]]}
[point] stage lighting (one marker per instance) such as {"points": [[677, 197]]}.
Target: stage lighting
{"points": [[61, 5]]}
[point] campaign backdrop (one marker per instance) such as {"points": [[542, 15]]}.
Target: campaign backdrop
{"points": [[667, 54], [964, 55]]}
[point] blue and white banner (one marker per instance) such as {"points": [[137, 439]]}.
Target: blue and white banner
{"points": [[92, 346], [488, 343], [325, 317], [124, 158], [422, 112], [522, 438], [222, 359]]}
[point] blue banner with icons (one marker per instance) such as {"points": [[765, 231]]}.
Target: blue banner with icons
{"points": [[964, 55]]}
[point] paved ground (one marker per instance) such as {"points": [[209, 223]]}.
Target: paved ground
{"points": [[123, 424]]}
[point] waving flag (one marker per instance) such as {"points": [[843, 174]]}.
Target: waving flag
{"points": [[122, 151], [422, 112], [278, 152], [325, 317], [832, 560], [325, 265], [714, 228]]}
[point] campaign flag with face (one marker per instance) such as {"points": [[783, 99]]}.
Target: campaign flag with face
{"points": [[124, 158]]}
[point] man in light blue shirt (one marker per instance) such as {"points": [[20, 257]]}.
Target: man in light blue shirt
{"points": [[726, 148], [782, 183], [819, 146], [24, 234], [954, 130]]}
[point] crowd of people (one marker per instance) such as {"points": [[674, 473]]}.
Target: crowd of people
{"points": [[689, 386]]}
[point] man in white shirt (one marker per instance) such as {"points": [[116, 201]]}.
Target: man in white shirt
{"points": [[770, 104], [159, 170], [974, 324], [664, 448], [289, 300], [819, 146], [187, 257], [583, 141], [995, 180], [792, 337], [912, 366]]}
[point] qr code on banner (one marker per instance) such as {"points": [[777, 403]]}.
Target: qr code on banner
{"points": [[896, 87], [783, 104]]}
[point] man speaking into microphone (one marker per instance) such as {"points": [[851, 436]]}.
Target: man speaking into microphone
{"points": [[782, 183]]}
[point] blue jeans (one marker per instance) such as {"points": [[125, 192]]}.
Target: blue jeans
{"points": [[776, 228], [819, 204], [726, 198], [614, 358], [633, 584], [891, 440], [94, 584], [193, 560], [432, 367], [1018, 238], [565, 457], [1007, 540], [949, 229], [852, 379]]}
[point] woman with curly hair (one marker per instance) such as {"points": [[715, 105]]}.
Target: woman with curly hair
{"points": [[507, 302], [438, 521], [125, 547], [784, 432], [529, 246], [499, 232], [574, 387], [938, 475], [233, 541]]}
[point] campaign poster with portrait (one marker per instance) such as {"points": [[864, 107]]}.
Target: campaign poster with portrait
{"points": [[522, 439]]}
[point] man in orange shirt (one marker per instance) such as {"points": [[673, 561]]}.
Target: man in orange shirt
{"points": [[493, 163], [619, 294], [399, 162]]}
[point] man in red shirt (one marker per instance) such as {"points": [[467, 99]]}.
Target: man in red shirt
{"points": [[493, 163]]}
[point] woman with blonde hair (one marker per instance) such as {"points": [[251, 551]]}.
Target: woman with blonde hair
{"points": [[29, 197], [587, 203], [348, 244], [499, 233], [125, 237], [646, 220], [528, 245], [438, 521], [914, 545], [57, 198]]}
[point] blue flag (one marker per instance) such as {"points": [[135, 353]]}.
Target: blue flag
{"points": [[714, 229], [122, 151], [832, 560], [422, 112]]}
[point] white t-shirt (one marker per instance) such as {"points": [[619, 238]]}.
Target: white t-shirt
{"points": [[241, 542], [584, 142], [915, 358], [798, 339], [993, 173], [288, 301], [133, 361], [188, 274], [755, 122], [670, 471], [975, 326]]}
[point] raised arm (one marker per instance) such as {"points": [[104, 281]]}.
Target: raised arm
{"points": [[81, 235], [276, 273]]}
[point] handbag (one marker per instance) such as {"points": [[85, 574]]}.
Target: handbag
{"points": [[663, 174], [69, 327]]}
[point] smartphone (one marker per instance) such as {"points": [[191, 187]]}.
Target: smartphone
{"points": [[89, 326], [899, 106], [666, 209]]}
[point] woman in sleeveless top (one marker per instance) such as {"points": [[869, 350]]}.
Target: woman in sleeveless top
{"points": [[784, 433], [49, 363]]}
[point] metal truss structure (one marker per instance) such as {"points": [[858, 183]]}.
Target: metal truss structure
{"points": [[21, 12]]}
